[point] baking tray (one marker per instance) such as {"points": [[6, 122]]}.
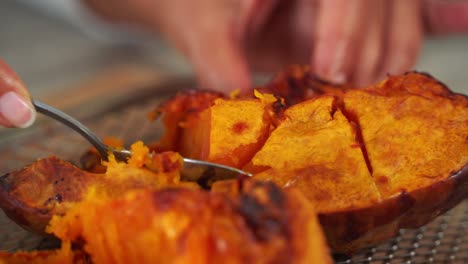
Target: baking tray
{"points": [[444, 240]]}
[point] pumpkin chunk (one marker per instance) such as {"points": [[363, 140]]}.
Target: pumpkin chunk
{"points": [[315, 150], [256, 223], [50, 186], [229, 132], [415, 131], [182, 108]]}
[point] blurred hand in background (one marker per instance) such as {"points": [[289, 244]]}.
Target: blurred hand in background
{"points": [[352, 41]]}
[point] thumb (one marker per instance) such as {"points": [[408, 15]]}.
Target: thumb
{"points": [[16, 109]]}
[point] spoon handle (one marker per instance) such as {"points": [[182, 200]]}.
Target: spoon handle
{"points": [[73, 124]]}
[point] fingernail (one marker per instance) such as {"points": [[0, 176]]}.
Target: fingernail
{"points": [[338, 78], [337, 74], [15, 109], [331, 65]]}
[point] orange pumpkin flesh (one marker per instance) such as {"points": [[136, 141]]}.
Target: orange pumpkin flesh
{"points": [[317, 152], [182, 108], [229, 132], [256, 223]]}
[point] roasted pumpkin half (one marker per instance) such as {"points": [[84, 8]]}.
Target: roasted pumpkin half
{"points": [[370, 159]]}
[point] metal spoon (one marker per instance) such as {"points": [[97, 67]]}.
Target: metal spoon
{"points": [[193, 170]]}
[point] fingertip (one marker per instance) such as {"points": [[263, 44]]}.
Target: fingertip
{"points": [[338, 32], [223, 81], [221, 66], [403, 60], [16, 110], [404, 39], [328, 63]]}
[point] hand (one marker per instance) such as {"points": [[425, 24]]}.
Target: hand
{"points": [[16, 109], [207, 32], [345, 41], [352, 41]]}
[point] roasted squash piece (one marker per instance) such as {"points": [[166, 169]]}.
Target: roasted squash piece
{"points": [[182, 108], [414, 130], [256, 223], [229, 132], [32, 195], [315, 150]]}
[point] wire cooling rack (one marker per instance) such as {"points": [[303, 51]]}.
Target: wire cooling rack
{"points": [[444, 240]]}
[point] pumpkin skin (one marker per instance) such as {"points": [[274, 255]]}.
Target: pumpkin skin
{"points": [[351, 230], [410, 131]]}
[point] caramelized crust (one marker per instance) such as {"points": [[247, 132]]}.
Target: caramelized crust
{"points": [[255, 223]]}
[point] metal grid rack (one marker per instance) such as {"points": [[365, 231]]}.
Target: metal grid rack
{"points": [[444, 240]]}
